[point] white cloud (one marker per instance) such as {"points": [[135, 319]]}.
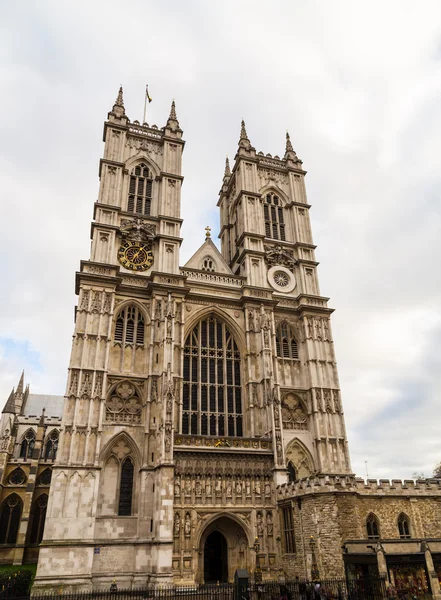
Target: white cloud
{"points": [[358, 87]]}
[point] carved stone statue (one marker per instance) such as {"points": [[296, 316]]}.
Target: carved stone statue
{"points": [[259, 524], [187, 525], [269, 523], [177, 525], [178, 487], [208, 486]]}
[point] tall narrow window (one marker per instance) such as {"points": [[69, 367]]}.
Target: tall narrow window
{"points": [[292, 475], [51, 447], [27, 444], [286, 343], [289, 544], [212, 394], [126, 488], [404, 526], [273, 214], [129, 326], [38, 518], [372, 527], [140, 190], [10, 519]]}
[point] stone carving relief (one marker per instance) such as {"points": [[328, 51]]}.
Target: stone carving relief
{"points": [[317, 328], [135, 143], [137, 230], [124, 405], [294, 415], [177, 525], [279, 256]]}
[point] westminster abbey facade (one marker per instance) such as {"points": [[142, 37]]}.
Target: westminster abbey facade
{"points": [[202, 407]]}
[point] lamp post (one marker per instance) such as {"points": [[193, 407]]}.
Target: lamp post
{"points": [[258, 571], [315, 574]]}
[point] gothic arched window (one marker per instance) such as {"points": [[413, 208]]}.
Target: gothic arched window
{"points": [[129, 326], [208, 264], [140, 190], [38, 517], [126, 488], [27, 444], [404, 526], [286, 343], [273, 214], [10, 519], [17, 477], [372, 527], [45, 477], [212, 394], [51, 446], [292, 475]]}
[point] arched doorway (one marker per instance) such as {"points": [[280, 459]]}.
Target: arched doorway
{"points": [[223, 547], [215, 558]]}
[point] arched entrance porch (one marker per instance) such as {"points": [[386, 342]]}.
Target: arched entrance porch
{"points": [[223, 548]]}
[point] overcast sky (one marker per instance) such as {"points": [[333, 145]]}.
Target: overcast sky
{"points": [[357, 85]]}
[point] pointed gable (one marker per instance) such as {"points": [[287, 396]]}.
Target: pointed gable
{"points": [[208, 258]]}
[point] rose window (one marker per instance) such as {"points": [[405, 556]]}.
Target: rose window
{"points": [[17, 477], [124, 405], [281, 278]]}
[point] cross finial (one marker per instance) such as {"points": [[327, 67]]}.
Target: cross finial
{"points": [[207, 232]]}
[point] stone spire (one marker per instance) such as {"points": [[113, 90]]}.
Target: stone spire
{"points": [[118, 107], [10, 404], [20, 387], [119, 98], [244, 141], [41, 422], [289, 151], [227, 168], [172, 115], [172, 121]]}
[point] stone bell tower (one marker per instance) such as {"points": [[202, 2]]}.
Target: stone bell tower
{"points": [[111, 498], [266, 238]]}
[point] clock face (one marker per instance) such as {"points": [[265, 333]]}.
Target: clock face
{"points": [[135, 256]]}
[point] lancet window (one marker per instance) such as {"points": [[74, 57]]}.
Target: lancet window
{"points": [[10, 516], [212, 395], [292, 475], [288, 529], [27, 444], [51, 446], [286, 343], [126, 488], [129, 326], [140, 190], [372, 527], [274, 220], [38, 517], [404, 526]]}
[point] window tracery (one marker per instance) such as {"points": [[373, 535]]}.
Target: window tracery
{"points": [[45, 477], [372, 527], [140, 190], [212, 395], [10, 519], [208, 264], [51, 446], [129, 326], [124, 404], [404, 526], [17, 477], [273, 215], [294, 415], [27, 444], [38, 517], [286, 343]]}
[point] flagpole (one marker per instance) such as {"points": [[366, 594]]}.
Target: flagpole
{"points": [[145, 105]]}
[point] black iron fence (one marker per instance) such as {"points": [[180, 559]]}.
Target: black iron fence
{"points": [[330, 589]]}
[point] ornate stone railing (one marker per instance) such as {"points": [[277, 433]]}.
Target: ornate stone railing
{"points": [[222, 443], [212, 278]]}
